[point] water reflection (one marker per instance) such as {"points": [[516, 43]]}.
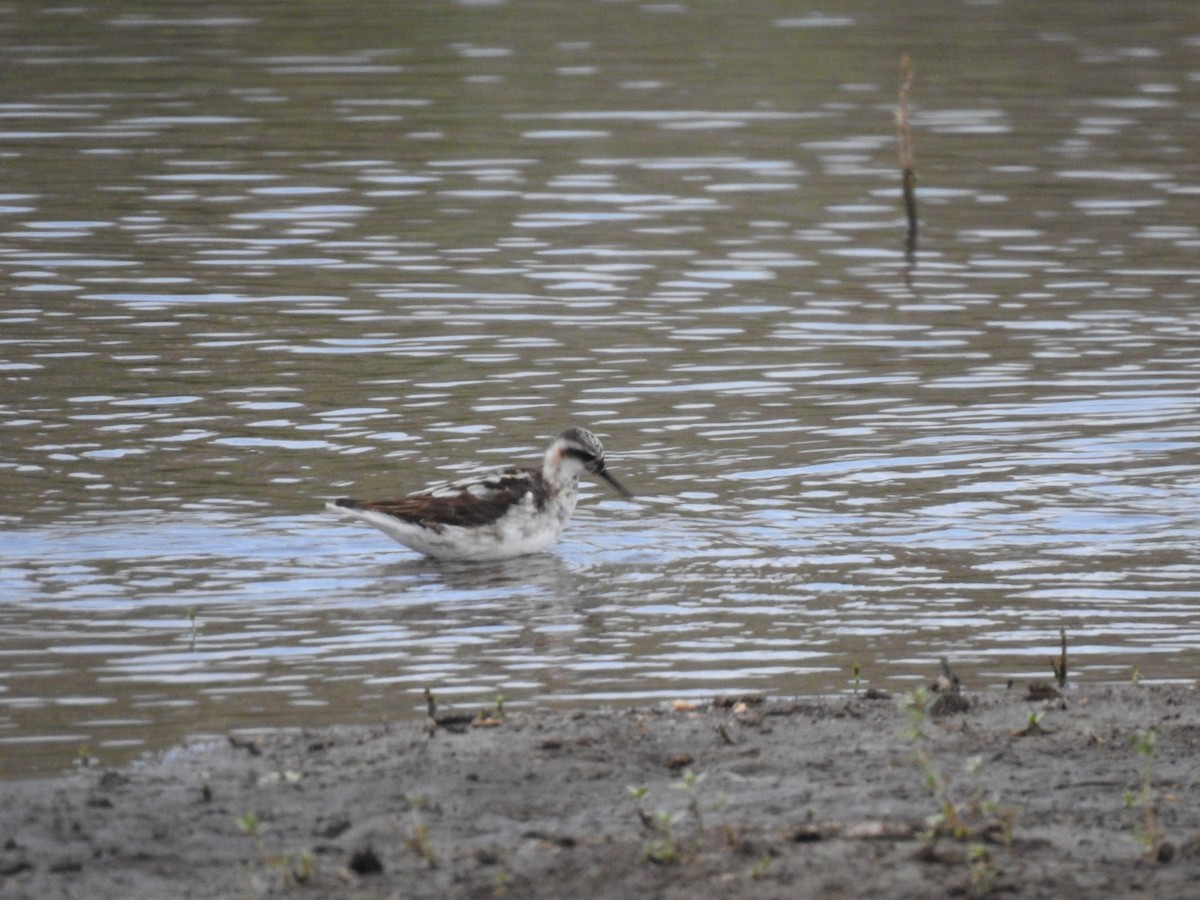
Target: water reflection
{"points": [[250, 267]]}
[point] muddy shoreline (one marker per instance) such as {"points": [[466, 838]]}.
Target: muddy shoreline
{"points": [[1097, 793]]}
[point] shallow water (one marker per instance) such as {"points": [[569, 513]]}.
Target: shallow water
{"points": [[247, 267]]}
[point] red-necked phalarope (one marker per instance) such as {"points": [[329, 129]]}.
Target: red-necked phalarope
{"points": [[506, 513]]}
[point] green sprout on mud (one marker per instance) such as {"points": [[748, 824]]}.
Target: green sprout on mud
{"points": [[295, 869], [661, 849], [856, 671], [689, 783], [500, 883], [249, 824], [962, 820], [418, 838], [915, 704], [728, 831], [1033, 725], [981, 874], [493, 716], [972, 819], [639, 794], [760, 867], [947, 821], [664, 847], [1147, 832]]}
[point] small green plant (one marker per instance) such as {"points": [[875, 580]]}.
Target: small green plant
{"points": [[962, 820], [915, 704], [249, 824], [639, 794], [305, 867], [1146, 832], [664, 849], [1033, 725], [294, 868], [947, 821], [491, 717], [1135, 676], [981, 873], [760, 867], [856, 671], [689, 784], [971, 819], [418, 837], [663, 846], [500, 882]]}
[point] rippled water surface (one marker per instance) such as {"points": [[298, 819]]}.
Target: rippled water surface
{"points": [[253, 260]]}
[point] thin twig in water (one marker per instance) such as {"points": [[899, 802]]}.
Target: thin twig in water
{"points": [[907, 156], [1060, 665]]}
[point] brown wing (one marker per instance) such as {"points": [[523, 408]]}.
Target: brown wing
{"points": [[470, 503]]}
